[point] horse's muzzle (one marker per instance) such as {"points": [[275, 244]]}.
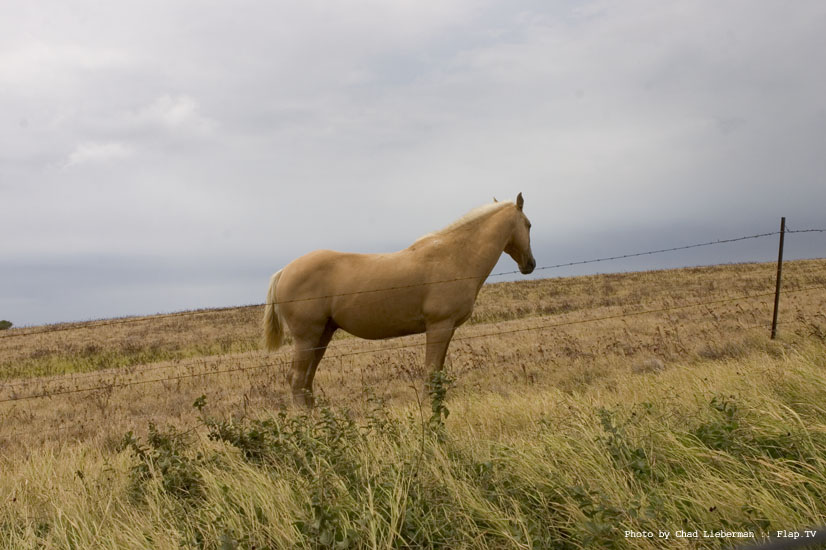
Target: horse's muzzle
{"points": [[528, 267]]}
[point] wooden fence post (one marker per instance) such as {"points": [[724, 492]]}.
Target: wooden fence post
{"points": [[779, 271]]}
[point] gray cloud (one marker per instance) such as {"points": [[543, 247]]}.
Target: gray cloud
{"points": [[183, 138]]}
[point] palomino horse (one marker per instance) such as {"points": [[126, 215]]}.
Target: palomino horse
{"points": [[429, 287]]}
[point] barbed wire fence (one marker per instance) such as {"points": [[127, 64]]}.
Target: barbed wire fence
{"points": [[106, 322], [109, 386], [86, 325], [16, 333], [282, 362]]}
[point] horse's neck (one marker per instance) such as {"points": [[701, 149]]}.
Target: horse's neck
{"points": [[482, 245]]}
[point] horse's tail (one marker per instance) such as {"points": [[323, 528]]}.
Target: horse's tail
{"points": [[273, 323]]}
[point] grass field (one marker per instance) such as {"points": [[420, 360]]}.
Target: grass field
{"points": [[579, 409]]}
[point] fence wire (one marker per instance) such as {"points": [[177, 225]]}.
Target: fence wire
{"points": [[282, 362], [78, 325], [64, 427], [74, 377]]}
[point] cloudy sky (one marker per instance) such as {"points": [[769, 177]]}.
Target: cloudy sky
{"points": [[160, 155]]}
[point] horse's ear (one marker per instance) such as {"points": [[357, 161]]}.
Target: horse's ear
{"points": [[520, 201]]}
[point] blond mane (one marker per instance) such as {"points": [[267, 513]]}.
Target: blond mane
{"points": [[475, 214]]}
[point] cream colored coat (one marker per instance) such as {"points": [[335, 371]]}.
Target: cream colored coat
{"points": [[431, 287]]}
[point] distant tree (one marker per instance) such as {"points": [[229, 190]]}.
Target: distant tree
{"points": [[5, 325]]}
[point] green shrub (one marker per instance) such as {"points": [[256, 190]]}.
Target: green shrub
{"points": [[164, 456]]}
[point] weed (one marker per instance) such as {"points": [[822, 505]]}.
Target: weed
{"points": [[625, 456], [438, 384], [164, 457], [714, 351], [817, 330], [719, 433], [600, 529]]}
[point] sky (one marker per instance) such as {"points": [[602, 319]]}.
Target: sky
{"points": [[158, 156]]}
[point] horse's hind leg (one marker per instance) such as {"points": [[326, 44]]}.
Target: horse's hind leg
{"points": [[320, 349], [302, 359], [308, 354]]}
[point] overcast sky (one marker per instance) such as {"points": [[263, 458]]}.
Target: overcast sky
{"points": [[159, 155]]}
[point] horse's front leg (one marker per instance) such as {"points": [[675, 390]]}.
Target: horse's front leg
{"points": [[438, 339]]}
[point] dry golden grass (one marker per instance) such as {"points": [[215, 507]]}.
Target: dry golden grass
{"points": [[116, 377], [583, 407]]}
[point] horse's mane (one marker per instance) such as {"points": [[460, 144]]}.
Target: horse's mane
{"points": [[475, 214]]}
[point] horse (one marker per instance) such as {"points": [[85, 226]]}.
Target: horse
{"points": [[429, 287]]}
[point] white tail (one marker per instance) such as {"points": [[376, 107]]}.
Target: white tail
{"points": [[273, 325]]}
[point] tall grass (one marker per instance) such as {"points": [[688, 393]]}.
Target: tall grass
{"points": [[736, 444]]}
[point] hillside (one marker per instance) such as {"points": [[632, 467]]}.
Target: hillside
{"points": [[580, 408]]}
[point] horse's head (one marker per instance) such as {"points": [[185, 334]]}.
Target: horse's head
{"points": [[519, 245]]}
